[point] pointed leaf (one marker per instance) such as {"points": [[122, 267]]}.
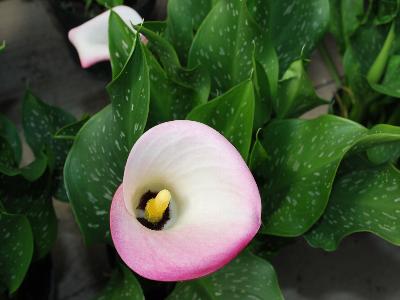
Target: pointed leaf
{"points": [[10, 133], [247, 275], [170, 99], [122, 285], [184, 19], [231, 114], [95, 164], [390, 84], [225, 44], [121, 40], [365, 199], [296, 27], [296, 94], [33, 200], [304, 158], [16, 249]]}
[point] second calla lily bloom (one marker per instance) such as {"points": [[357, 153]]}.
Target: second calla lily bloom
{"points": [[188, 203]]}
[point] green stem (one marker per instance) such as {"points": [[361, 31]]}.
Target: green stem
{"points": [[329, 64], [376, 71]]}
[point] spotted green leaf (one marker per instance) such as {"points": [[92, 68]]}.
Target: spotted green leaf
{"points": [[10, 133], [95, 164], [231, 114], [387, 11], [296, 94], [390, 84], [33, 200], [258, 154], [170, 99], [16, 249], [122, 285], [389, 152], [8, 166], [225, 44], [364, 199], [365, 65], [184, 19], [40, 122], [110, 3], [295, 26], [121, 40], [163, 50], [69, 131], [246, 277], [304, 158], [345, 18]]}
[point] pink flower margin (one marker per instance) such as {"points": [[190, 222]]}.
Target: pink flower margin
{"points": [[216, 199]]}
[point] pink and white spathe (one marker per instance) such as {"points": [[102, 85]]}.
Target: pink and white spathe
{"points": [[214, 209], [91, 38]]}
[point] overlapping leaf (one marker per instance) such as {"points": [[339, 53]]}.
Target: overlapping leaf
{"points": [[16, 249], [304, 158], [364, 199], [390, 84], [295, 26], [184, 19], [122, 285], [95, 164], [225, 44], [41, 121], [245, 276], [231, 114], [296, 94], [10, 133], [33, 200]]}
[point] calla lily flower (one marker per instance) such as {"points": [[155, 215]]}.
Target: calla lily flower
{"points": [[188, 204], [91, 38]]}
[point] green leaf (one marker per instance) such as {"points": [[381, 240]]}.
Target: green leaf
{"points": [[345, 18], [304, 158], [390, 84], [170, 99], [387, 11], [16, 249], [365, 199], [375, 72], [122, 285], [7, 157], [246, 276], [33, 200], [41, 121], [258, 154], [231, 114], [2, 46], [296, 27], [121, 40], [184, 19], [359, 60], [10, 133], [263, 95], [388, 152], [95, 164], [165, 52], [69, 131], [109, 3], [158, 27], [296, 94], [9, 167], [226, 43]]}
